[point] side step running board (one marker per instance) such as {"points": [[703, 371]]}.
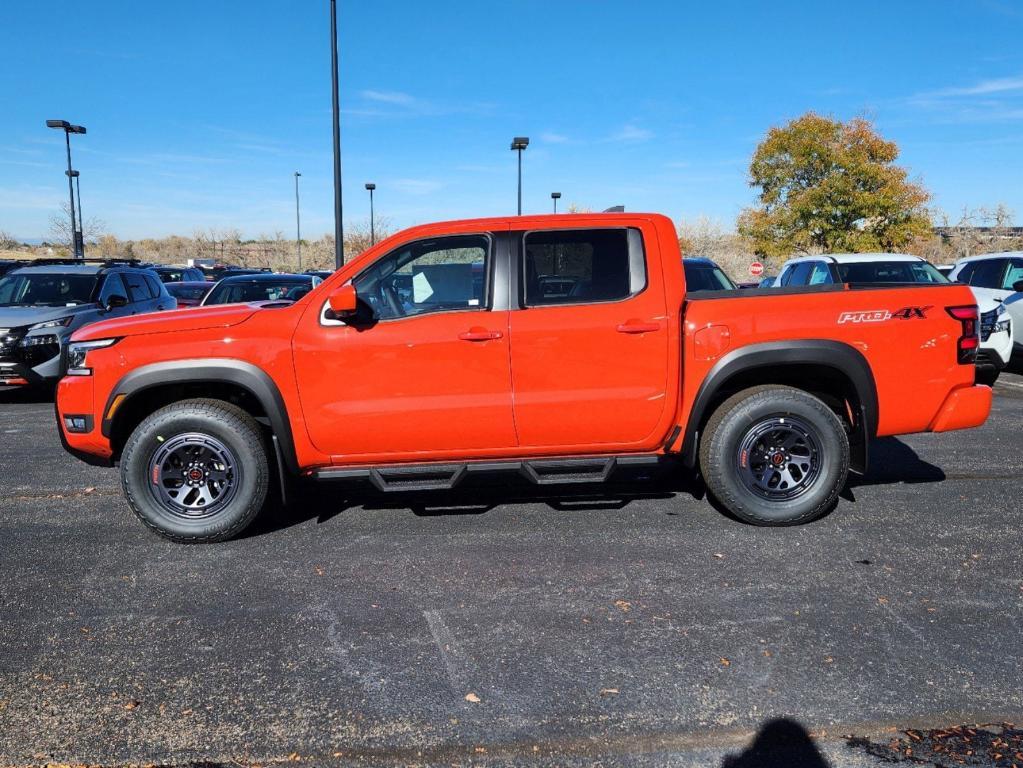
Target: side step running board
{"points": [[443, 477]]}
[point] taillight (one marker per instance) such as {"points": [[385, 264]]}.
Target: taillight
{"points": [[966, 346]]}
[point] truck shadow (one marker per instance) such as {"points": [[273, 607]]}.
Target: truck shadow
{"points": [[781, 743], [891, 462], [26, 395]]}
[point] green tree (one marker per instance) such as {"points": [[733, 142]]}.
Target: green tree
{"points": [[826, 187]]}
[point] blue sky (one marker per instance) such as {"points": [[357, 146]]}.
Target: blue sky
{"points": [[199, 112]]}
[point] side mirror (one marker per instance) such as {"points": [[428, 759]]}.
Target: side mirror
{"points": [[1018, 286], [343, 301], [116, 300]]}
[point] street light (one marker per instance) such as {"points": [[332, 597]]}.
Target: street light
{"points": [[77, 249], [298, 224], [372, 228], [518, 144], [339, 235], [555, 196], [78, 193]]}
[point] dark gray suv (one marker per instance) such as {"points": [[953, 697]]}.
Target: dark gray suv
{"points": [[43, 304]]}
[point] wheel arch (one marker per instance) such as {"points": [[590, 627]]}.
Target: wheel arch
{"points": [[832, 370], [153, 386]]}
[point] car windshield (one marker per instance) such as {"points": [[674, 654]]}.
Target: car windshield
{"points": [[188, 292], [233, 291], [46, 290], [170, 275], [706, 277], [890, 272]]}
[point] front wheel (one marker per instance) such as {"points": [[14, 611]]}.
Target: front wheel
{"points": [[775, 455], [196, 471]]}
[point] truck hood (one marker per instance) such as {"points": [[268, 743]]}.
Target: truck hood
{"points": [[223, 316], [14, 317]]}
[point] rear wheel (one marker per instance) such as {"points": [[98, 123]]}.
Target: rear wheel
{"points": [[775, 455], [196, 471]]}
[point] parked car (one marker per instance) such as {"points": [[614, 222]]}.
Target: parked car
{"points": [[260, 287], [703, 274], [996, 333], [997, 277], [42, 305], [774, 394], [220, 271], [767, 281], [189, 294], [6, 265], [945, 269], [172, 274], [323, 274]]}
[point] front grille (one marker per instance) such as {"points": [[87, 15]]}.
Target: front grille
{"points": [[9, 338]]}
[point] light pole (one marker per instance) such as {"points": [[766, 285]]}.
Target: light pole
{"points": [[555, 197], [339, 235], [76, 247], [372, 225], [298, 224], [81, 221], [518, 144]]}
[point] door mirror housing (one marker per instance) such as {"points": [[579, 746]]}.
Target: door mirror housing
{"points": [[1018, 286], [343, 301], [115, 301]]}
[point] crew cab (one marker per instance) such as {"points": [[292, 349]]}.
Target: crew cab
{"points": [[558, 348]]}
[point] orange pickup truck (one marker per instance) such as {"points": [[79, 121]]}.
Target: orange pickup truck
{"points": [[556, 347]]}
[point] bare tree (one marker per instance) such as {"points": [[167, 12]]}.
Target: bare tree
{"points": [[7, 241], [60, 228]]}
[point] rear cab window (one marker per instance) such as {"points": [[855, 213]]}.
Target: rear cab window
{"points": [[582, 266]]}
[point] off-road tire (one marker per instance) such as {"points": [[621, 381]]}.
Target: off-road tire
{"points": [[736, 420], [234, 429]]}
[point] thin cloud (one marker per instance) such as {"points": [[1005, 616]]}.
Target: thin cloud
{"points": [[632, 133], [389, 97], [983, 88]]}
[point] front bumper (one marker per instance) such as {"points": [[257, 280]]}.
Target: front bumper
{"points": [[75, 398], [964, 408], [29, 364]]}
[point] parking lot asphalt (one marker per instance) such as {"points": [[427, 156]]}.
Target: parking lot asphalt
{"points": [[633, 624]]}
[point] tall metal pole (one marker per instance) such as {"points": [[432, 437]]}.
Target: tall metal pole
{"points": [[298, 224], [71, 193], [339, 242], [81, 220], [520, 182], [372, 221]]}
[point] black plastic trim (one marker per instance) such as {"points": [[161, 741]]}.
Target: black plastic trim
{"points": [[242, 374], [445, 476], [823, 352]]}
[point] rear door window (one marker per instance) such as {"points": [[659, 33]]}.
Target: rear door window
{"points": [[820, 274], [582, 266], [154, 285], [112, 286], [137, 288]]}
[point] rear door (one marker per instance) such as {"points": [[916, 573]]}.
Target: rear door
{"points": [[589, 340]]}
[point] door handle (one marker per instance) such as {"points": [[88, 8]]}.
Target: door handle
{"points": [[637, 326], [476, 333]]}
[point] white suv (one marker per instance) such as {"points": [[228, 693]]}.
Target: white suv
{"points": [[997, 277], [996, 336]]}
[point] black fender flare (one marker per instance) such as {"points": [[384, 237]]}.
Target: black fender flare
{"points": [[220, 370], [843, 358]]}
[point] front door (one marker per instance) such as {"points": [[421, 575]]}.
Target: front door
{"points": [[423, 372], [590, 343]]}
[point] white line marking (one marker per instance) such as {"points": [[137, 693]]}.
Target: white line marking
{"points": [[454, 658], [1001, 383]]}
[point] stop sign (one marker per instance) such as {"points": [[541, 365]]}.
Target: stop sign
{"points": [[756, 269]]}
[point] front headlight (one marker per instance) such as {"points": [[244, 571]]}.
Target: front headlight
{"points": [[78, 351], [58, 323]]}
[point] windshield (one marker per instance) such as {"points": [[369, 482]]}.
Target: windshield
{"points": [[233, 291], [890, 272], [188, 292], [706, 277], [46, 290]]}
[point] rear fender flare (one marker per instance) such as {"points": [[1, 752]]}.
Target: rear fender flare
{"points": [[843, 358]]}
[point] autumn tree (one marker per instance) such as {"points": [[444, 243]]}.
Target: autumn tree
{"points": [[60, 227], [828, 186]]}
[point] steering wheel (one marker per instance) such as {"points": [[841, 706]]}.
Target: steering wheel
{"points": [[391, 300]]}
